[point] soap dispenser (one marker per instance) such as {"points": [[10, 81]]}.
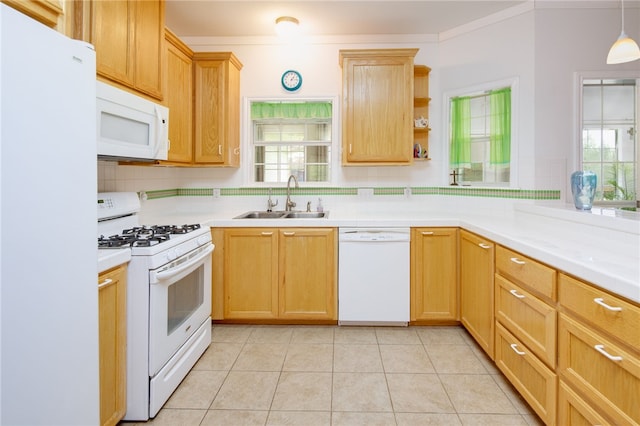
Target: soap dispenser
{"points": [[320, 208]]}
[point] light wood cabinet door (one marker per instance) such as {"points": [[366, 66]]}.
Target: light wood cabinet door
{"points": [[217, 108], [112, 292], [251, 273], [179, 99], [476, 288], [111, 23], [377, 106], [129, 40], [434, 275], [148, 27], [307, 274], [534, 380], [599, 367]]}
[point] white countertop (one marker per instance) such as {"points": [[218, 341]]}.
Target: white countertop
{"points": [[600, 247], [110, 258]]}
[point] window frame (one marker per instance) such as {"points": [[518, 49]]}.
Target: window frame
{"points": [[248, 160], [577, 151], [513, 83]]}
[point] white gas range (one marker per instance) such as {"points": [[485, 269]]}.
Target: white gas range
{"points": [[168, 299]]}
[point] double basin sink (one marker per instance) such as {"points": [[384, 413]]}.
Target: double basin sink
{"points": [[282, 215]]}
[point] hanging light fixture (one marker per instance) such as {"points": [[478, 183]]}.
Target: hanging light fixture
{"points": [[286, 25], [625, 49]]}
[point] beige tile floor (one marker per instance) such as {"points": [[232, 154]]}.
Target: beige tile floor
{"points": [[317, 375]]}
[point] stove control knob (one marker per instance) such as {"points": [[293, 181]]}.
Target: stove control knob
{"points": [[172, 255]]}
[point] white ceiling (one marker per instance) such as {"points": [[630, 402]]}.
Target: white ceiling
{"points": [[237, 18]]}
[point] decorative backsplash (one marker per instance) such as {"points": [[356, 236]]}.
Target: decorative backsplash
{"points": [[521, 194]]}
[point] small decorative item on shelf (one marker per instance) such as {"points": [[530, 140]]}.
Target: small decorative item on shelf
{"points": [[421, 122], [583, 188], [419, 152]]}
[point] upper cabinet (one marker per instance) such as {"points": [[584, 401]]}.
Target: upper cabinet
{"points": [[129, 41], [178, 97], [217, 109], [377, 106], [47, 12]]}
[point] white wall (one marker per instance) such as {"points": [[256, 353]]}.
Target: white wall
{"points": [[542, 48]]}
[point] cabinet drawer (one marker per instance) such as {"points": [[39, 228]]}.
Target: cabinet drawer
{"points": [[574, 411], [617, 317], [527, 272], [601, 369], [534, 380], [529, 319]]}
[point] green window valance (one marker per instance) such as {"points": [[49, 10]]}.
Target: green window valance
{"points": [[290, 110]]}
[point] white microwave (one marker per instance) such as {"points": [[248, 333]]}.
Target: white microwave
{"points": [[130, 127]]}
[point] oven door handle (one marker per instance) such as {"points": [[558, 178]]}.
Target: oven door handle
{"points": [[170, 273]]}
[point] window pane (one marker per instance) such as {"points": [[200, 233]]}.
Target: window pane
{"points": [[292, 138]]}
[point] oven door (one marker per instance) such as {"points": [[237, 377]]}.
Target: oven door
{"points": [[179, 302]]}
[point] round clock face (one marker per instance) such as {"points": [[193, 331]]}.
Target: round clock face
{"points": [[291, 80]]}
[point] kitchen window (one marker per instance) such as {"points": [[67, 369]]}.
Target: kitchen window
{"points": [[480, 137], [291, 138], [609, 141]]}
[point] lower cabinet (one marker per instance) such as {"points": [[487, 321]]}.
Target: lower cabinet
{"points": [[279, 274], [434, 275], [476, 288], [112, 293]]}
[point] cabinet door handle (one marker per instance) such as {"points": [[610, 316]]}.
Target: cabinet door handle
{"points": [[349, 148], [289, 234], [518, 261], [600, 301], [236, 151], [515, 293], [427, 233], [266, 234], [600, 348], [484, 246], [219, 149], [515, 349], [105, 283]]}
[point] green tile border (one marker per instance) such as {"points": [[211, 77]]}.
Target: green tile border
{"points": [[459, 191]]}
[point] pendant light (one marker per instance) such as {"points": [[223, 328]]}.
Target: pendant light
{"points": [[625, 49]]}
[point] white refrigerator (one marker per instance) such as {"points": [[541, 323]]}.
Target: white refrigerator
{"points": [[49, 371]]}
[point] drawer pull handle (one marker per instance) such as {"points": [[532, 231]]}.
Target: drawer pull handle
{"points": [[515, 293], [600, 348], [105, 283], [427, 233], [518, 261], [289, 234], [600, 301], [267, 234], [484, 246], [515, 349]]}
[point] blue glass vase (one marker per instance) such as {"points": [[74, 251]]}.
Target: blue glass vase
{"points": [[583, 188]]}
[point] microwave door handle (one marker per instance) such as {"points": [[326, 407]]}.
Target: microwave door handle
{"points": [[159, 130], [169, 273]]}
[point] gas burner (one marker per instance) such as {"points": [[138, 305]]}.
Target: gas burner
{"points": [[144, 236]]}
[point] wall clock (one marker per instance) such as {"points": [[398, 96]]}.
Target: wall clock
{"points": [[291, 80]]}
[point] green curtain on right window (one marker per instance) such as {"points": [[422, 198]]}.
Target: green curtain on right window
{"points": [[500, 126]]}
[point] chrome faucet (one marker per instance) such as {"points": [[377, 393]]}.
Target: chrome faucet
{"points": [[271, 204], [290, 204]]}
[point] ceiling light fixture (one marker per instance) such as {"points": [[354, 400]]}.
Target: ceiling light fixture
{"points": [[286, 25], [625, 49]]}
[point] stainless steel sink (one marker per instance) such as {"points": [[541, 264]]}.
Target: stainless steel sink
{"points": [[306, 215], [282, 215]]}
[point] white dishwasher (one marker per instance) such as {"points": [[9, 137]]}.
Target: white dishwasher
{"points": [[373, 276]]}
